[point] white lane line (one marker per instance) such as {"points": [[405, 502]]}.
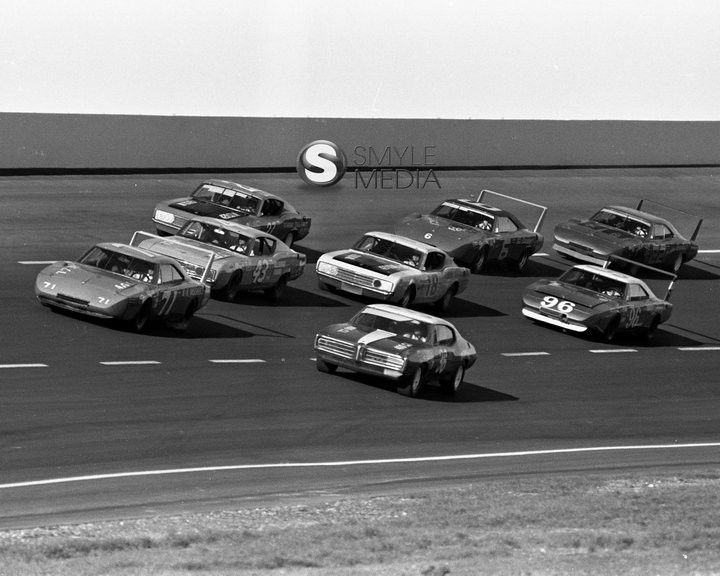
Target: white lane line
{"points": [[613, 350], [238, 361], [708, 251], [332, 464], [526, 353], [541, 254], [130, 362], [698, 348], [31, 262], [23, 365]]}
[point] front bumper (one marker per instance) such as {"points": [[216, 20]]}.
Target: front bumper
{"points": [[559, 322], [586, 256], [359, 366], [355, 288], [78, 307]]}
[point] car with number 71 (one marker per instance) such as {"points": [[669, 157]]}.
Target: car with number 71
{"points": [[126, 283], [599, 301], [244, 258]]}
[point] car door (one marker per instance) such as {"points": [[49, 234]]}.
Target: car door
{"points": [[636, 311], [447, 359], [270, 218], [265, 271], [169, 299], [434, 281]]}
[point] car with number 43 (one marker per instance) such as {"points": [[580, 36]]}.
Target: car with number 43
{"points": [[244, 258], [393, 269], [405, 346], [232, 202], [475, 233], [126, 283], [600, 301]]}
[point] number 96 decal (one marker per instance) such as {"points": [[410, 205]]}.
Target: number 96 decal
{"points": [[560, 305]]}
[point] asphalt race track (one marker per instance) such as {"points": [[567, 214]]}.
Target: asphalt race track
{"points": [[182, 432]]}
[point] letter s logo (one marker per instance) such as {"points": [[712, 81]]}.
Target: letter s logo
{"points": [[321, 163]]}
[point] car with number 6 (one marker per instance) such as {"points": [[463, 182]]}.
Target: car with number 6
{"points": [[126, 283], [393, 269], [405, 346], [233, 202], [599, 301], [244, 258]]}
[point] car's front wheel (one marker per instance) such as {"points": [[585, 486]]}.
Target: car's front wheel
{"points": [[230, 291], [414, 382], [407, 297], [326, 367], [611, 330], [444, 303], [275, 292], [140, 321]]}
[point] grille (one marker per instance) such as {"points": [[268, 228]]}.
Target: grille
{"points": [[383, 359], [180, 221], [354, 278], [580, 247], [335, 346], [73, 300]]}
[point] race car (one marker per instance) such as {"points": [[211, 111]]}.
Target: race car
{"points": [[117, 281], [629, 233], [405, 346], [475, 233], [244, 258], [238, 203], [603, 302], [391, 268]]}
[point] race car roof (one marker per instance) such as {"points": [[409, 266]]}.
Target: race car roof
{"points": [[421, 246], [406, 313], [240, 188], [232, 226], [651, 218], [135, 252], [480, 206], [612, 274]]}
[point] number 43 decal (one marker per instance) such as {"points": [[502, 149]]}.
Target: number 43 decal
{"points": [[260, 272]]}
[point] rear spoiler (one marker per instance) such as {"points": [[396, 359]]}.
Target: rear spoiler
{"points": [[697, 227], [543, 209], [673, 277], [199, 272]]}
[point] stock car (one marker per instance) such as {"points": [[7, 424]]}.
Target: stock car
{"points": [[229, 201], [393, 269], [244, 258], [475, 233], [405, 346], [630, 233], [603, 302], [117, 281]]}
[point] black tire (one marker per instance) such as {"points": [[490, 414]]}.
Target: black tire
{"points": [[289, 239], [611, 330], [519, 264], [649, 332], [162, 232], [182, 324], [231, 290], [676, 264], [446, 301], [407, 298], [275, 292], [413, 383], [327, 287], [479, 265], [141, 320], [326, 367], [451, 384]]}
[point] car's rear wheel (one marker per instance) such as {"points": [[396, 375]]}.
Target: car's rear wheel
{"points": [[444, 303], [326, 367], [480, 263], [231, 290], [407, 297], [414, 383], [182, 324], [650, 330], [290, 239], [141, 320], [275, 292], [676, 264], [519, 264], [452, 384]]}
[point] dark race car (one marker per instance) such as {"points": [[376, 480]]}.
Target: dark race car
{"points": [[402, 345], [628, 233], [233, 202], [125, 283], [474, 233], [588, 298]]}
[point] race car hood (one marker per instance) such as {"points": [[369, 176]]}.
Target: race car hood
{"points": [[600, 237], [205, 208], [441, 232], [184, 249], [371, 262], [86, 282], [382, 340], [571, 293]]}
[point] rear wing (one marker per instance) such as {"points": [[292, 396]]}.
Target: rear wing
{"points": [[543, 209], [199, 270], [697, 227], [635, 265]]}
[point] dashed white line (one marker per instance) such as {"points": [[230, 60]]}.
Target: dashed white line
{"points": [[526, 353], [541, 254], [130, 362], [32, 262], [330, 464], [708, 251], [698, 348], [23, 365], [238, 361], [613, 350]]}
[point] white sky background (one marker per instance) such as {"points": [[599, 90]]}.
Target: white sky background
{"points": [[483, 59]]}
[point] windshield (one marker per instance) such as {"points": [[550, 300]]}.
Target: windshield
{"points": [[210, 234], [231, 198], [622, 221], [464, 215], [390, 249], [412, 330], [134, 268], [594, 282]]}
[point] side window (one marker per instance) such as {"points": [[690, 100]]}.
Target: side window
{"points": [[444, 335], [637, 292], [660, 231], [504, 224], [264, 246], [271, 207], [434, 261], [168, 273]]}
